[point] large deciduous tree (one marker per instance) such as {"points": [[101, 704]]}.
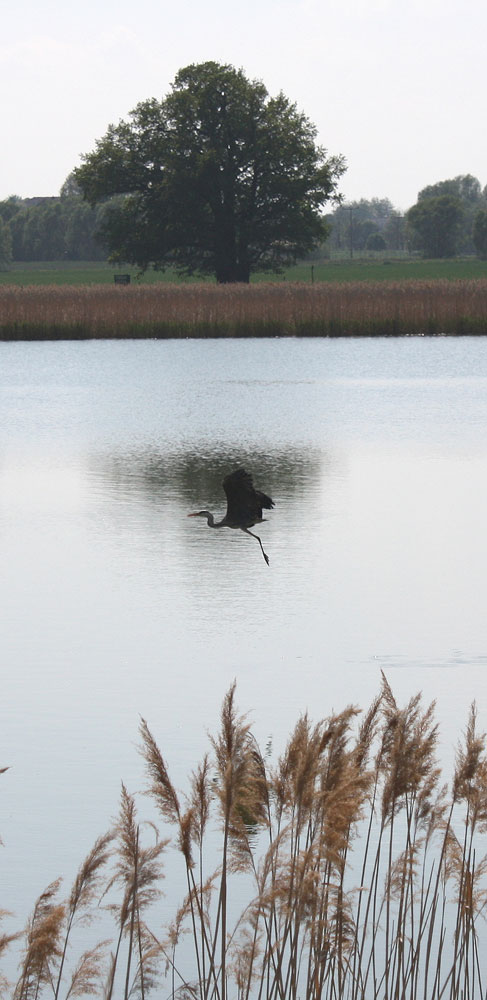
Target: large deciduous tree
{"points": [[216, 178]]}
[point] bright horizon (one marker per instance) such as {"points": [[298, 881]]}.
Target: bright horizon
{"points": [[399, 91]]}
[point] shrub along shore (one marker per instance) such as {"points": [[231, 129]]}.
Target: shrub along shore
{"points": [[70, 312]]}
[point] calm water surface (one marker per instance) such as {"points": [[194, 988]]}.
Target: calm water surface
{"points": [[114, 605]]}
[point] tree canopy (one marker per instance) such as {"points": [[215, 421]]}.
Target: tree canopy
{"points": [[465, 187], [57, 228], [366, 225], [480, 233], [216, 178], [437, 222], [5, 245], [443, 218]]}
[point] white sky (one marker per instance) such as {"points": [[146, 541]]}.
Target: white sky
{"points": [[397, 86]]}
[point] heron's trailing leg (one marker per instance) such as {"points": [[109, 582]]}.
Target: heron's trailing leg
{"points": [[247, 532]]}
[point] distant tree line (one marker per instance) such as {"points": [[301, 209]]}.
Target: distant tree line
{"points": [[363, 225], [449, 219], [58, 228]]}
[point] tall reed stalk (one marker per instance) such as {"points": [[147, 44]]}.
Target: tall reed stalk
{"points": [[345, 871]]}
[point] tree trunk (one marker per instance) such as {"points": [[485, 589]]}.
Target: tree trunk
{"points": [[230, 263], [232, 273]]}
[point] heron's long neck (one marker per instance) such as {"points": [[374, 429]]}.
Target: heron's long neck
{"points": [[210, 520]]}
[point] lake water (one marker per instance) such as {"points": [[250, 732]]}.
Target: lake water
{"points": [[114, 605]]}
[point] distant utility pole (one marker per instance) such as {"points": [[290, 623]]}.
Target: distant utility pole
{"points": [[350, 209]]}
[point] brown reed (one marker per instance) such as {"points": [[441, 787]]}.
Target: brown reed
{"points": [[364, 878], [205, 310], [77, 908]]}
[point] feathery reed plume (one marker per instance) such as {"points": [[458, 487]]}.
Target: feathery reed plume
{"points": [[461, 862], [201, 800], [87, 974], [407, 761], [42, 951], [87, 880], [138, 872], [366, 734], [471, 895], [5, 941], [191, 825], [242, 794], [148, 972], [84, 890], [407, 753], [294, 782], [344, 785], [240, 787], [470, 778], [161, 789]]}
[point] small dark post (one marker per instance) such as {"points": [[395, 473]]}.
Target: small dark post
{"points": [[312, 274]]}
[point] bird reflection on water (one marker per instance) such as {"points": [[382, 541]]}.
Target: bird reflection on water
{"points": [[244, 506]]}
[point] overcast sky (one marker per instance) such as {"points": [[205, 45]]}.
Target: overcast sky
{"points": [[397, 86]]}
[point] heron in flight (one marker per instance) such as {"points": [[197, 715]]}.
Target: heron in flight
{"points": [[244, 506]]}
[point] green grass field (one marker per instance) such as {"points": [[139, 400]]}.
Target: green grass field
{"points": [[81, 273]]}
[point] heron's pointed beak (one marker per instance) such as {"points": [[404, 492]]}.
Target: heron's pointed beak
{"points": [[196, 514]]}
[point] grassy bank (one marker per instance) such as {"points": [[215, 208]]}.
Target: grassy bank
{"points": [[86, 273], [206, 310], [346, 870]]}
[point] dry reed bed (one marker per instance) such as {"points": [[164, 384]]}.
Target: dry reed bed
{"points": [[365, 877], [204, 310]]}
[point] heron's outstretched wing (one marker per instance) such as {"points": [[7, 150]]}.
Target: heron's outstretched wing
{"points": [[244, 503]]}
